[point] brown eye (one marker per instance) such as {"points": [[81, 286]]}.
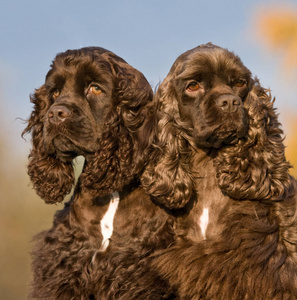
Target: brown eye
{"points": [[56, 94], [240, 83], [95, 90], [193, 86]]}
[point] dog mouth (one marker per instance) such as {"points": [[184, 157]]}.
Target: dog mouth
{"points": [[218, 139], [221, 136], [65, 149]]}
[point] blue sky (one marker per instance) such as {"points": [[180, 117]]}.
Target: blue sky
{"points": [[148, 34]]}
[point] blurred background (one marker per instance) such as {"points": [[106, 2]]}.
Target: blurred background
{"points": [[147, 34]]}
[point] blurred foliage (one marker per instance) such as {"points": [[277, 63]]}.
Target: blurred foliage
{"points": [[277, 30], [22, 215]]}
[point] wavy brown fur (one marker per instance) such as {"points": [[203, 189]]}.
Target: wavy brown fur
{"points": [[51, 178], [119, 147], [261, 171], [96, 105], [224, 135], [168, 177]]}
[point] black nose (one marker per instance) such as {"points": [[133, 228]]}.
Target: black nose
{"points": [[228, 103], [58, 114]]}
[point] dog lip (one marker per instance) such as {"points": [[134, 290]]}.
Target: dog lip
{"points": [[66, 156], [62, 141], [219, 137], [67, 149]]}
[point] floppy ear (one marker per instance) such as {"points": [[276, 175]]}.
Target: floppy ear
{"points": [[51, 178], [123, 148], [256, 168], [168, 177]]}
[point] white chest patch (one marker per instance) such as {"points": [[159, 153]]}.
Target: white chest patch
{"points": [[107, 221], [203, 221]]}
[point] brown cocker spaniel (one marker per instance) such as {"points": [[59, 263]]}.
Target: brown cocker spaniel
{"points": [[220, 155], [96, 105]]}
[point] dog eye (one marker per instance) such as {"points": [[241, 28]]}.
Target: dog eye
{"points": [[95, 90], [55, 94], [193, 86], [240, 83]]}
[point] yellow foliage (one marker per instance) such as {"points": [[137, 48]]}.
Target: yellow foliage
{"points": [[277, 29]]}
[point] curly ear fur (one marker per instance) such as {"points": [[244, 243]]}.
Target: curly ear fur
{"points": [[124, 143], [123, 146], [168, 177], [51, 178], [256, 167]]}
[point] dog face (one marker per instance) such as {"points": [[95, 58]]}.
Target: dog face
{"points": [[211, 86], [80, 94], [209, 102], [93, 104]]}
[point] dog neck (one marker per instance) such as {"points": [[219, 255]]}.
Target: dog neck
{"points": [[203, 219], [89, 211]]}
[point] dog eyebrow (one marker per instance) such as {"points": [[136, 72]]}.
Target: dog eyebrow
{"points": [[89, 74]]}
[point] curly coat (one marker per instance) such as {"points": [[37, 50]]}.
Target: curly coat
{"points": [[94, 104], [219, 155]]}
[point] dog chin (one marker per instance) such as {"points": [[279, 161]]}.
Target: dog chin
{"points": [[66, 150], [218, 140], [63, 148], [66, 157]]}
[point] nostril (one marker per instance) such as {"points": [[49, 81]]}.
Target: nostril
{"points": [[62, 114], [58, 114], [236, 102], [228, 103], [224, 104]]}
